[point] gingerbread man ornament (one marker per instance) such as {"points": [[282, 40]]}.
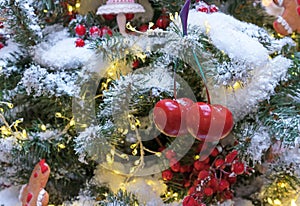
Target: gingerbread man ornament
{"points": [[33, 193], [289, 21]]}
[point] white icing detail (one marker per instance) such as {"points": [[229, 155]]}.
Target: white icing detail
{"points": [[284, 23], [21, 191], [120, 8], [40, 197]]}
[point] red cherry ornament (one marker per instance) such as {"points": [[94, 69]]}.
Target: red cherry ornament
{"points": [[210, 122], [79, 42], [204, 9], [95, 31], [143, 28], [189, 201], [238, 168], [169, 116], [213, 8], [109, 17], [105, 31], [167, 175], [163, 22], [129, 16], [80, 30]]}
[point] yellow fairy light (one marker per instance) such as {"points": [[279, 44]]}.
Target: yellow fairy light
{"points": [[43, 127], [293, 202], [58, 115], [45, 11], [270, 201], [70, 8], [77, 5], [5, 131], [266, 3], [196, 157], [72, 122], [207, 26], [277, 202], [61, 146]]}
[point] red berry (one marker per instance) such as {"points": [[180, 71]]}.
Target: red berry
{"points": [[109, 17], [185, 168], [206, 161], [95, 31], [189, 201], [231, 180], [80, 30], [168, 116], [213, 8], [170, 154], [227, 195], [162, 22], [199, 165], [1, 45], [214, 184], [203, 174], [215, 152], [210, 122], [129, 16], [208, 191], [167, 175], [105, 31], [187, 183], [203, 9], [135, 63], [176, 167], [219, 163], [231, 156], [223, 185], [192, 190], [238, 168], [79, 42], [143, 28]]}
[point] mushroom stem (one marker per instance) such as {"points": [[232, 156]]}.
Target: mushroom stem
{"points": [[121, 20]]}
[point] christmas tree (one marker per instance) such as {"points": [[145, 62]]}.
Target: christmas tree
{"points": [[124, 102]]}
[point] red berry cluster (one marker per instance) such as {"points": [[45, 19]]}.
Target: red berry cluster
{"points": [[109, 17], [182, 116], [201, 6], [94, 32], [209, 180], [2, 37]]}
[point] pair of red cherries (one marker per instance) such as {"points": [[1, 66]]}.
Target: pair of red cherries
{"points": [[182, 116]]}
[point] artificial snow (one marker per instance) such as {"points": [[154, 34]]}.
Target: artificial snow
{"points": [[59, 52], [9, 196]]}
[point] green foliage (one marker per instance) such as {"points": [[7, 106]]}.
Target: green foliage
{"points": [[121, 198]]}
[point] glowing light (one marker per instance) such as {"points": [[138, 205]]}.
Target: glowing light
{"points": [[270, 201], [45, 11], [293, 202], [77, 5], [277, 202], [58, 115], [196, 157], [61, 146], [266, 2], [207, 26], [43, 127], [70, 8]]}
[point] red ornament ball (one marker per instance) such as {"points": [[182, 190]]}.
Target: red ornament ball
{"points": [[167, 175], [80, 30], [238, 168], [209, 121], [208, 191], [162, 22], [95, 31], [1, 45], [203, 9], [109, 17], [189, 201], [143, 28], [129, 16], [105, 31], [79, 42], [213, 8], [169, 116], [135, 64], [223, 185]]}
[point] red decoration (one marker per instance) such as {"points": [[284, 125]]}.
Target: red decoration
{"points": [[95, 31], [238, 168], [208, 191], [189, 201], [176, 167], [231, 156], [204, 9], [109, 17], [105, 31], [167, 175], [169, 116], [223, 185], [209, 121], [80, 30], [135, 63], [129, 16], [162, 22], [1, 25], [170, 154], [143, 28], [1, 45], [213, 8], [79, 42]]}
